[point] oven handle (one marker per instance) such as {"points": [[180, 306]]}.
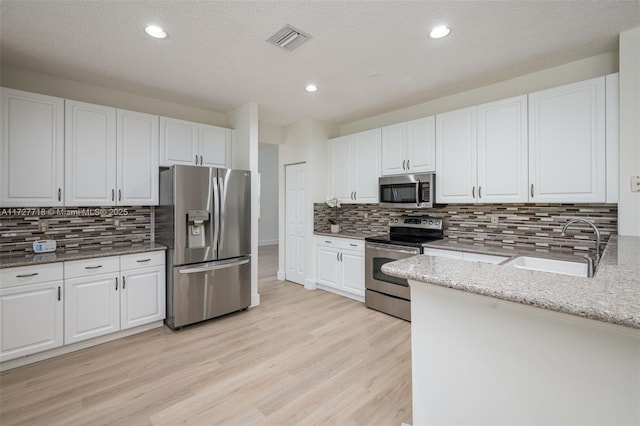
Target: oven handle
{"points": [[396, 249]]}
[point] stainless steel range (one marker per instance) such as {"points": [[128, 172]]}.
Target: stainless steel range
{"points": [[406, 235]]}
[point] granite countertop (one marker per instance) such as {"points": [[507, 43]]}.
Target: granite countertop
{"points": [[353, 236], [612, 295], [52, 257]]}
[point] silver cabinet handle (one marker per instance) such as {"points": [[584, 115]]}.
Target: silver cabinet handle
{"points": [[201, 160], [532, 190], [196, 159], [124, 283], [93, 267], [59, 295], [328, 242], [143, 260], [355, 195], [403, 163], [353, 245], [479, 192], [27, 275], [116, 283], [408, 166], [119, 194], [59, 194], [338, 257], [473, 192], [113, 195]]}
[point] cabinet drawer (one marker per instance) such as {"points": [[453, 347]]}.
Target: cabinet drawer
{"points": [[341, 243], [88, 267], [31, 274], [142, 260]]}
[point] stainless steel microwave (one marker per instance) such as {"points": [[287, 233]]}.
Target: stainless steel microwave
{"points": [[407, 191]]}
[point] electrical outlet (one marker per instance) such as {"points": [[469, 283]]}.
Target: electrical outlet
{"points": [[366, 215], [635, 183], [116, 222], [494, 219], [43, 225]]}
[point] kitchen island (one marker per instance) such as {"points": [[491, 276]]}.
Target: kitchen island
{"points": [[492, 344]]}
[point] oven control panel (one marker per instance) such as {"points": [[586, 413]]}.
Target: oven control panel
{"points": [[423, 222]]}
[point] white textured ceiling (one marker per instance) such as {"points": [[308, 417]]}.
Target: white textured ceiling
{"points": [[367, 57]]}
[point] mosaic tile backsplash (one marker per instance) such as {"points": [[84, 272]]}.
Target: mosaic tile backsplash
{"points": [[74, 229], [520, 226]]}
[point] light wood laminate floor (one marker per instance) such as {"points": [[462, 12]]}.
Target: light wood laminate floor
{"points": [[301, 357]]}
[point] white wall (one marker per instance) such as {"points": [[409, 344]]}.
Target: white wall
{"points": [[574, 71], [305, 141], [629, 205], [244, 120], [271, 133], [268, 167], [31, 81]]}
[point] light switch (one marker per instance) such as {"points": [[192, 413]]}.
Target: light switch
{"points": [[635, 183]]}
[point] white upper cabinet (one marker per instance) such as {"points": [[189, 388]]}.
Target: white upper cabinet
{"points": [[355, 165], [31, 150], [613, 137], [567, 152], [409, 147], [90, 154], [215, 146], [456, 156], [189, 143], [366, 166], [137, 147], [111, 156], [502, 151], [341, 168]]}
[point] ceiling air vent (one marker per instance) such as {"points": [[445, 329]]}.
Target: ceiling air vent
{"points": [[288, 38]]}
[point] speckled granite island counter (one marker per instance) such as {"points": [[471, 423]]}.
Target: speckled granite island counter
{"points": [[492, 344]]}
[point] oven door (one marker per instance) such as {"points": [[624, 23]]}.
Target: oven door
{"points": [[376, 255]]}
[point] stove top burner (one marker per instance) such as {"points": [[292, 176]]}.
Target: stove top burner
{"points": [[411, 231]]}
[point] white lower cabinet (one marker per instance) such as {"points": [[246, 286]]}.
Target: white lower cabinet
{"points": [[44, 307], [31, 310], [340, 266], [92, 298], [142, 299]]}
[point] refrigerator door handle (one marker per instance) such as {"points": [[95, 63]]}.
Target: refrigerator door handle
{"points": [[216, 214], [223, 201], [213, 267]]}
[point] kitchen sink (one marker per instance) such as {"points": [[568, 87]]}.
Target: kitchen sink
{"points": [[580, 269]]}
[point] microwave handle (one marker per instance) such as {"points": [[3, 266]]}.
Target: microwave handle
{"points": [[418, 193]]}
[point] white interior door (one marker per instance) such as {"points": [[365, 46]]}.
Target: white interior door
{"points": [[295, 222]]}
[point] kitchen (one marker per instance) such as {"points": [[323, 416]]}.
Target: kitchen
{"points": [[305, 139]]}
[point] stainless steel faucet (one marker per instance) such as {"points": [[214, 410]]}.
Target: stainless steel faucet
{"points": [[595, 229]]}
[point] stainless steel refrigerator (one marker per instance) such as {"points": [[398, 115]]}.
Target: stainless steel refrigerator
{"points": [[204, 219]]}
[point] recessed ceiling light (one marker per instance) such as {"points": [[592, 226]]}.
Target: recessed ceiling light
{"points": [[440, 31], [155, 31], [311, 88]]}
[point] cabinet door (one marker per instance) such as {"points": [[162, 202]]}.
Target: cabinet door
{"points": [[178, 142], [31, 319], [567, 143], [214, 146], [456, 156], [502, 151], [421, 145], [394, 151], [142, 299], [137, 147], [341, 186], [90, 154], [31, 150], [365, 166], [352, 272], [91, 307], [327, 266]]}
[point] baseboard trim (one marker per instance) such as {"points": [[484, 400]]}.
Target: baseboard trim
{"points": [[310, 284], [280, 276], [268, 243], [339, 292], [255, 300]]}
